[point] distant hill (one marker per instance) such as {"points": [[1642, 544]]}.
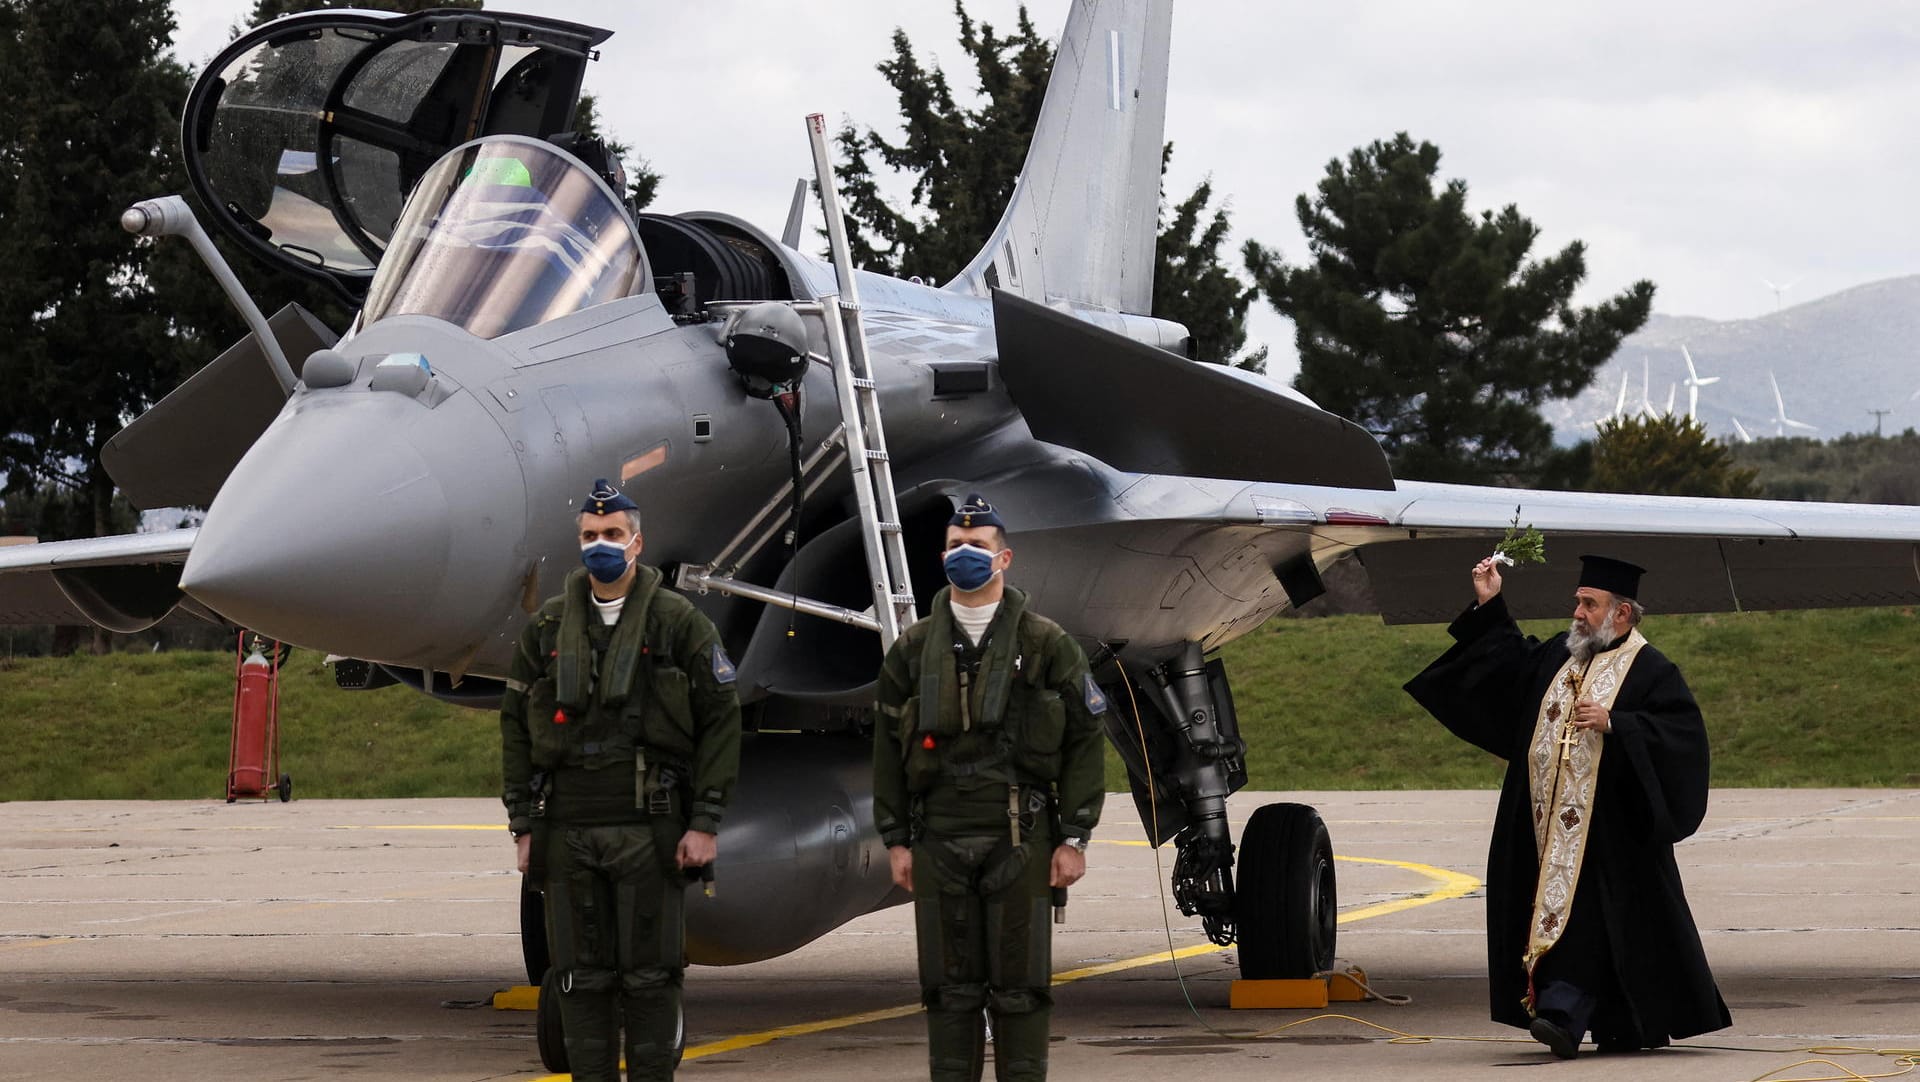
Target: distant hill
{"points": [[1836, 358]]}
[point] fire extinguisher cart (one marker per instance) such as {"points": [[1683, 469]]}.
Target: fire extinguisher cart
{"points": [[253, 756]]}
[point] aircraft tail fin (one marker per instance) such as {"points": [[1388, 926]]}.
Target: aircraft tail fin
{"points": [[1084, 214]]}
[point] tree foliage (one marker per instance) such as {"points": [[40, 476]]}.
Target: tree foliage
{"points": [[1855, 468], [88, 104], [642, 182], [1430, 326], [1667, 455], [1193, 287], [962, 164]]}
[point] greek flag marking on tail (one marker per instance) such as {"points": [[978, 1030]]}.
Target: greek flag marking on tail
{"points": [[1096, 699]]}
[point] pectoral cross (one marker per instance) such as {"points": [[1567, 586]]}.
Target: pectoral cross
{"points": [[1569, 737]]}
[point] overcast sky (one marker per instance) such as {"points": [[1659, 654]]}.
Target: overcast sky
{"points": [[1704, 145]]}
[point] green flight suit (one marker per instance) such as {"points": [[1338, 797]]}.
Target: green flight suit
{"points": [[632, 733], [953, 770]]}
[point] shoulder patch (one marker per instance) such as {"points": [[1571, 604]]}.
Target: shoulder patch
{"points": [[723, 670], [1096, 699]]}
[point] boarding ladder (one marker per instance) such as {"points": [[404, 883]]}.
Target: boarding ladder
{"points": [[860, 438]]}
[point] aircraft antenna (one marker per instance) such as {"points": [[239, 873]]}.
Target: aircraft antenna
{"points": [[796, 214]]}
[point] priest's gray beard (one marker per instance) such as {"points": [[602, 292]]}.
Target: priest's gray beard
{"points": [[1583, 642]]}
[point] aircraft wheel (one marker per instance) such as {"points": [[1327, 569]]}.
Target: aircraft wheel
{"points": [[1286, 909], [285, 788], [533, 932], [548, 1031]]}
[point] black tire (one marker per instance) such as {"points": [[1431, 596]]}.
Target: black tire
{"points": [[548, 1031], [533, 933], [285, 787], [1286, 908]]}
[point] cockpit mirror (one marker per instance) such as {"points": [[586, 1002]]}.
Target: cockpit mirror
{"points": [[304, 137]]}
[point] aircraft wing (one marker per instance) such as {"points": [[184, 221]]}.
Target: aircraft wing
{"points": [[1703, 555], [126, 583], [1143, 410]]}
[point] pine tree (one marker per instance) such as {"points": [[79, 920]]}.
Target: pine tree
{"points": [[963, 164], [642, 182], [1666, 456], [1430, 326], [88, 109], [1192, 287]]}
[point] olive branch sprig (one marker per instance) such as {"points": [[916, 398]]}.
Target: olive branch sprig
{"points": [[1520, 546]]}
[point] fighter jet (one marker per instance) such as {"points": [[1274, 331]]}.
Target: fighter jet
{"points": [[399, 493]]}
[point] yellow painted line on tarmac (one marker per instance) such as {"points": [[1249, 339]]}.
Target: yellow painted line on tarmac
{"points": [[423, 826], [29, 943], [1452, 885]]}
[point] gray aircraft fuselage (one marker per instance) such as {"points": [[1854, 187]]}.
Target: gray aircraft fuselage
{"points": [[447, 509]]}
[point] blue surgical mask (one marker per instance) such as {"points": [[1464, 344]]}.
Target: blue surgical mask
{"points": [[605, 560], [969, 567]]}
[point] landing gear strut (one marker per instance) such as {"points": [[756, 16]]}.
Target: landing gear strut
{"points": [[1283, 910]]}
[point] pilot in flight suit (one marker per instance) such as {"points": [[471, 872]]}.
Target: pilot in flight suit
{"points": [[620, 741], [988, 780]]}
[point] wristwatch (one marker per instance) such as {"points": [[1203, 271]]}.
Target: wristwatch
{"points": [[1077, 843]]}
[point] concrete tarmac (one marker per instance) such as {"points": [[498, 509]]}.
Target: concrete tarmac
{"points": [[363, 939]]}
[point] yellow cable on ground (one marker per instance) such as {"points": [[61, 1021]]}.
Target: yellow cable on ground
{"points": [[1848, 1075]]}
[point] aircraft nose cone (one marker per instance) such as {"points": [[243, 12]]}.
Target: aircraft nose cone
{"points": [[343, 528]]}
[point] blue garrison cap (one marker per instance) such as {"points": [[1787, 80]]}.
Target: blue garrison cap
{"points": [[606, 499], [976, 512]]}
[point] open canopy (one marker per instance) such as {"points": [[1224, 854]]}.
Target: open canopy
{"points": [[305, 135]]}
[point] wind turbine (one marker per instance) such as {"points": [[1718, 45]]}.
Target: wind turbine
{"points": [[1671, 389], [1619, 406], [1694, 383], [1646, 388], [1777, 290], [1781, 422], [1745, 436]]}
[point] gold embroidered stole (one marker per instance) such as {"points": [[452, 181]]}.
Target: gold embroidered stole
{"points": [[1563, 764]]}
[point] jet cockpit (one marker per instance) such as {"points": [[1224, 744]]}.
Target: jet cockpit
{"points": [[310, 135], [503, 234]]}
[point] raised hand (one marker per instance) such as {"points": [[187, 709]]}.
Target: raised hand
{"points": [[1486, 580]]}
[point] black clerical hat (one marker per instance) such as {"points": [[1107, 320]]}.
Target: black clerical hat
{"points": [[606, 499], [1617, 577], [976, 512]]}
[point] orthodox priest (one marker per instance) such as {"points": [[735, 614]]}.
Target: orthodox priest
{"points": [[1587, 926]]}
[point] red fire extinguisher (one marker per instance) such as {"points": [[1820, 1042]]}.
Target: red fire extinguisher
{"points": [[254, 756]]}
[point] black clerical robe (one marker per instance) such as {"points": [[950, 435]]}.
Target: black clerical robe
{"points": [[1651, 792]]}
